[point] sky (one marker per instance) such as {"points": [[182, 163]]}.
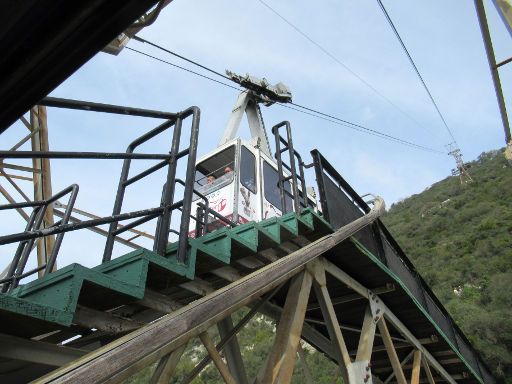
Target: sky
{"points": [[442, 36]]}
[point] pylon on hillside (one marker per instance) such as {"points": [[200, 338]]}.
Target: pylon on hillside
{"points": [[462, 169]]}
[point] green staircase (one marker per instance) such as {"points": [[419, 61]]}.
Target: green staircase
{"points": [[50, 302]]}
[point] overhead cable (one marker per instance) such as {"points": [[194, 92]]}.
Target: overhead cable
{"points": [[304, 109], [358, 127], [140, 39], [338, 61], [392, 25], [183, 68]]}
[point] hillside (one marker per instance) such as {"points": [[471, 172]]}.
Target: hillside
{"points": [[460, 239]]}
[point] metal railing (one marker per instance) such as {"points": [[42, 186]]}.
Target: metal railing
{"points": [[163, 212], [16, 270], [300, 199], [203, 212], [203, 223]]}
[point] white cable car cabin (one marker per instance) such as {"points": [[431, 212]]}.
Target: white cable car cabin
{"points": [[240, 178]]}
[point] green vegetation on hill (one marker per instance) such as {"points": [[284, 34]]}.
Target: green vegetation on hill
{"points": [[459, 237]]}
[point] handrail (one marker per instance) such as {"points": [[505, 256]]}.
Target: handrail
{"points": [[167, 202], [16, 268], [173, 122], [288, 146]]}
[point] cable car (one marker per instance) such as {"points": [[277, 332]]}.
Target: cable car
{"points": [[240, 181]]}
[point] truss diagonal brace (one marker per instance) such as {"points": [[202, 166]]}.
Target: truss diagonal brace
{"points": [[280, 362], [365, 347], [232, 351], [416, 367], [217, 359], [393, 357], [166, 366], [331, 321]]}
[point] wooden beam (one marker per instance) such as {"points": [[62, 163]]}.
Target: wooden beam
{"points": [[391, 317], [323, 344], [310, 334], [289, 247], [402, 363], [269, 254], [232, 352], [23, 141], [97, 230], [11, 200], [308, 377], [38, 352], [14, 185], [16, 177], [250, 262], [448, 352], [427, 370], [416, 368], [331, 321], [280, 362], [42, 180], [25, 122], [381, 348], [198, 286], [365, 347], [217, 359], [18, 167], [227, 273], [354, 296], [159, 302], [166, 366], [454, 360], [390, 349], [346, 279], [103, 321]]}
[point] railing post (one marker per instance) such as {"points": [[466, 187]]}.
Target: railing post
{"points": [[189, 186], [319, 173], [162, 230], [56, 246], [289, 147]]}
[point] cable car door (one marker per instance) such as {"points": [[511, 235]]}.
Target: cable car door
{"points": [[248, 199]]}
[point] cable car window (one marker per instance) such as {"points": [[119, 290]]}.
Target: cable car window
{"points": [[215, 172], [271, 186], [248, 169]]}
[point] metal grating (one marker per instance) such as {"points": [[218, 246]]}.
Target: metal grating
{"points": [[397, 265], [441, 320]]}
